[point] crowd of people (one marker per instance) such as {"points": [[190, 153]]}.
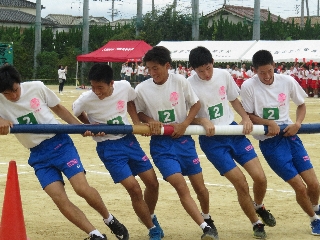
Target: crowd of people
{"points": [[306, 74], [208, 97]]}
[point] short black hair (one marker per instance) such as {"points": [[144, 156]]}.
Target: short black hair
{"points": [[262, 58], [9, 75], [200, 56], [101, 72], [158, 54]]}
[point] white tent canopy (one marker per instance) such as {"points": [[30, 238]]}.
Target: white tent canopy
{"points": [[287, 51], [222, 51], [238, 51]]}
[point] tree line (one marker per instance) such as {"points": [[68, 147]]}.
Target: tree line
{"points": [[61, 48]]}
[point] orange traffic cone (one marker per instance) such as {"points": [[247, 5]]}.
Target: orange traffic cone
{"points": [[12, 221]]}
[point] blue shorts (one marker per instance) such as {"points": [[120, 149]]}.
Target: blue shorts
{"points": [[53, 157], [175, 155], [285, 155], [123, 157], [222, 151]]}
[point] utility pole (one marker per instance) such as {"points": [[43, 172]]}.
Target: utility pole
{"points": [[85, 35], [318, 8], [307, 6], [195, 19], [174, 5], [112, 10], [139, 17], [302, 14], [256, 21], [37, 37]]}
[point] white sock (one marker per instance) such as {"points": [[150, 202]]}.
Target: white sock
{"points": [[257, 222], [108, 220], [256, 206], [205, 216], [314, 218], [152, 216], [203, 225], [95, 232], [315, 207]]}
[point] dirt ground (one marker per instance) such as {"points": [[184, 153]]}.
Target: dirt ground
{"points": [[44, 221]]}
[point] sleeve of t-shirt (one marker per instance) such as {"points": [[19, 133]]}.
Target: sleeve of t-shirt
{"points": [[139, 101], [246, 99], [49, 96], [297, 94], [232, 88], [78, 106]]}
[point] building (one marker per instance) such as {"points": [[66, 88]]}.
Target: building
{"points": [[236, 14], [65, 22], [20, 13], [297, 20]]}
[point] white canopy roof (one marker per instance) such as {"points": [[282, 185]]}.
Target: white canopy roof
{"points": [[237, 51], [287, 51], [222, 51]]}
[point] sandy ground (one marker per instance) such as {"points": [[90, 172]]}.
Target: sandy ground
{"points": [[44, 221]]}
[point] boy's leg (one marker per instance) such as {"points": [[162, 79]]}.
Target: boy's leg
{"points": [[57, 192], [301, 195], [90, 194], [310, 178], [200, 189], [238, 180], [139, 205], [93, 198], [179, 183], [253, 167], [151, 192]]}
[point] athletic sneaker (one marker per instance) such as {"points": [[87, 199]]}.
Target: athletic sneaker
{"points": [[258, 231], [155, 234], [266, 216], [315, 227], [210, 222], [118, 229], [156, 223], [209, 234], [95, 237]]}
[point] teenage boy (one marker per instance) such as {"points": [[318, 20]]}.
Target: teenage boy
{"points": [[51, 154], [216, 89], [108, 102], [169, 99], [266, 98]]}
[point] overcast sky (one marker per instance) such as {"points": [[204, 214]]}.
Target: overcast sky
{"points": [[128, 8]]}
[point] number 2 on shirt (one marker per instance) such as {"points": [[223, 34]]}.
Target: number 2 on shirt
{"points": [[116, 121], [271, 113], [215, 111], [166, 116], [27, 119]]}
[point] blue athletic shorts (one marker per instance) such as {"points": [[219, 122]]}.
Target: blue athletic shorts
{"points": [[222, 151], [175, 155], [285, 155], [55, 156], [123, 157]]}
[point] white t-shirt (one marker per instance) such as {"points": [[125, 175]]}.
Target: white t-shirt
{"points": [[62, 73], [110, 110], [215, 95], [141, 70], [271, 101], [31, 108], [315, 75], [167, 103], [129, 71]]}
